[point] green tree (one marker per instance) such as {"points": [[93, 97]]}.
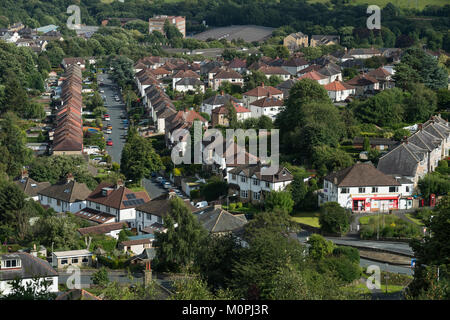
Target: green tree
{"points": [[334, 218], [139, 159], [319, 247], [178, 247], [420, 104], [191, 288], [279, 200]]}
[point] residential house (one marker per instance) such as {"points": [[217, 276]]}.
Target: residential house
{"points": [[230, 76], [286, 87], [78, 258], [26, 268], [295, 65], [259, 93], [384, 77], [238, 65], [67, 62], [295, 41], [29, 186], [251, 184], [221, 222], [267, 106], [217, 101], [275, 71], [364, 53], [332, 71], [363, 188], [339, 91], [323, 40], [190, 84], [219, 116], [116, 200], [364, 84], [184, 74], [136, 245], [315, 75], [156, 210], [65, 196]]}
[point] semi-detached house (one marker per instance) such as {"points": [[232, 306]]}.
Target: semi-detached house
{"points": [[250, 183], [363, 188]]}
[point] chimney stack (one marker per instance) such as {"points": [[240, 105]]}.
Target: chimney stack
{"points": [[262, 85], [420, 126], [119, 184], [70, 177]]}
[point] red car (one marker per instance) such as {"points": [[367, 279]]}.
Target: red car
{"points": [[109, 143]]}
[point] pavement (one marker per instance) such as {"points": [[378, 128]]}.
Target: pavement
{"points": [[114, 110]]}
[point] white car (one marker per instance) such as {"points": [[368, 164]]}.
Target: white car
{"points": [[201, 204], [99, 159], [108, 131]]}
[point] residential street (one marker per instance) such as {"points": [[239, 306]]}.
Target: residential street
{"points": [[114, 110]]}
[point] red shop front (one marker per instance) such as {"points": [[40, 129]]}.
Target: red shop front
{"points": [[374, 203]]}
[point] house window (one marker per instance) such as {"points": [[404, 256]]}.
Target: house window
{"points": [[108, 209], [64, 261], [148, 216], [97, 206], [374, 189], [85, 260], [58, 202], [159, 219], [256, 195], [244, 194], [267, 185], [361, 190], [243, 179], [233, 176], [345, 190], [407, 188], [12, 263], [255, 182], [393, 189], [74, 260]]}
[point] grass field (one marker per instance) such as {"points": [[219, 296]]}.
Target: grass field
{"points": [[308, 218], [399, 3]]}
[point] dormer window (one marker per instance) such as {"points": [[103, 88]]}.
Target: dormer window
{"points": [[10, 264]]}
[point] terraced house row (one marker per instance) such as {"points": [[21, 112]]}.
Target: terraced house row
{"points": [[68, 135]]}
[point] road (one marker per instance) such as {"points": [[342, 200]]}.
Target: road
{"points": [[114, 110], [370, 244]]}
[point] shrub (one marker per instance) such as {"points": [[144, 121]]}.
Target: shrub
{"points": [[345, 269], [100, 277], [348, 252], [232, 206], [239, 205], [195, 194]]}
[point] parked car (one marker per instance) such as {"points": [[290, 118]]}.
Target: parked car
{"points": [[167, 185], [109, 143], [98, 159], [201, 204], [159, 179], [108, 131], [106, 117]]}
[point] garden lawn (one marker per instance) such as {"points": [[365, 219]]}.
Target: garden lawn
{"points": [[308, 218], [415, 220]]}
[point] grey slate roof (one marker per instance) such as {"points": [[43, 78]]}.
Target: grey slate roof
{"points": [[217, 220], [31, 187], [68, 191], [361, 175], [31, 267], [402, 161], [220, 99]]}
